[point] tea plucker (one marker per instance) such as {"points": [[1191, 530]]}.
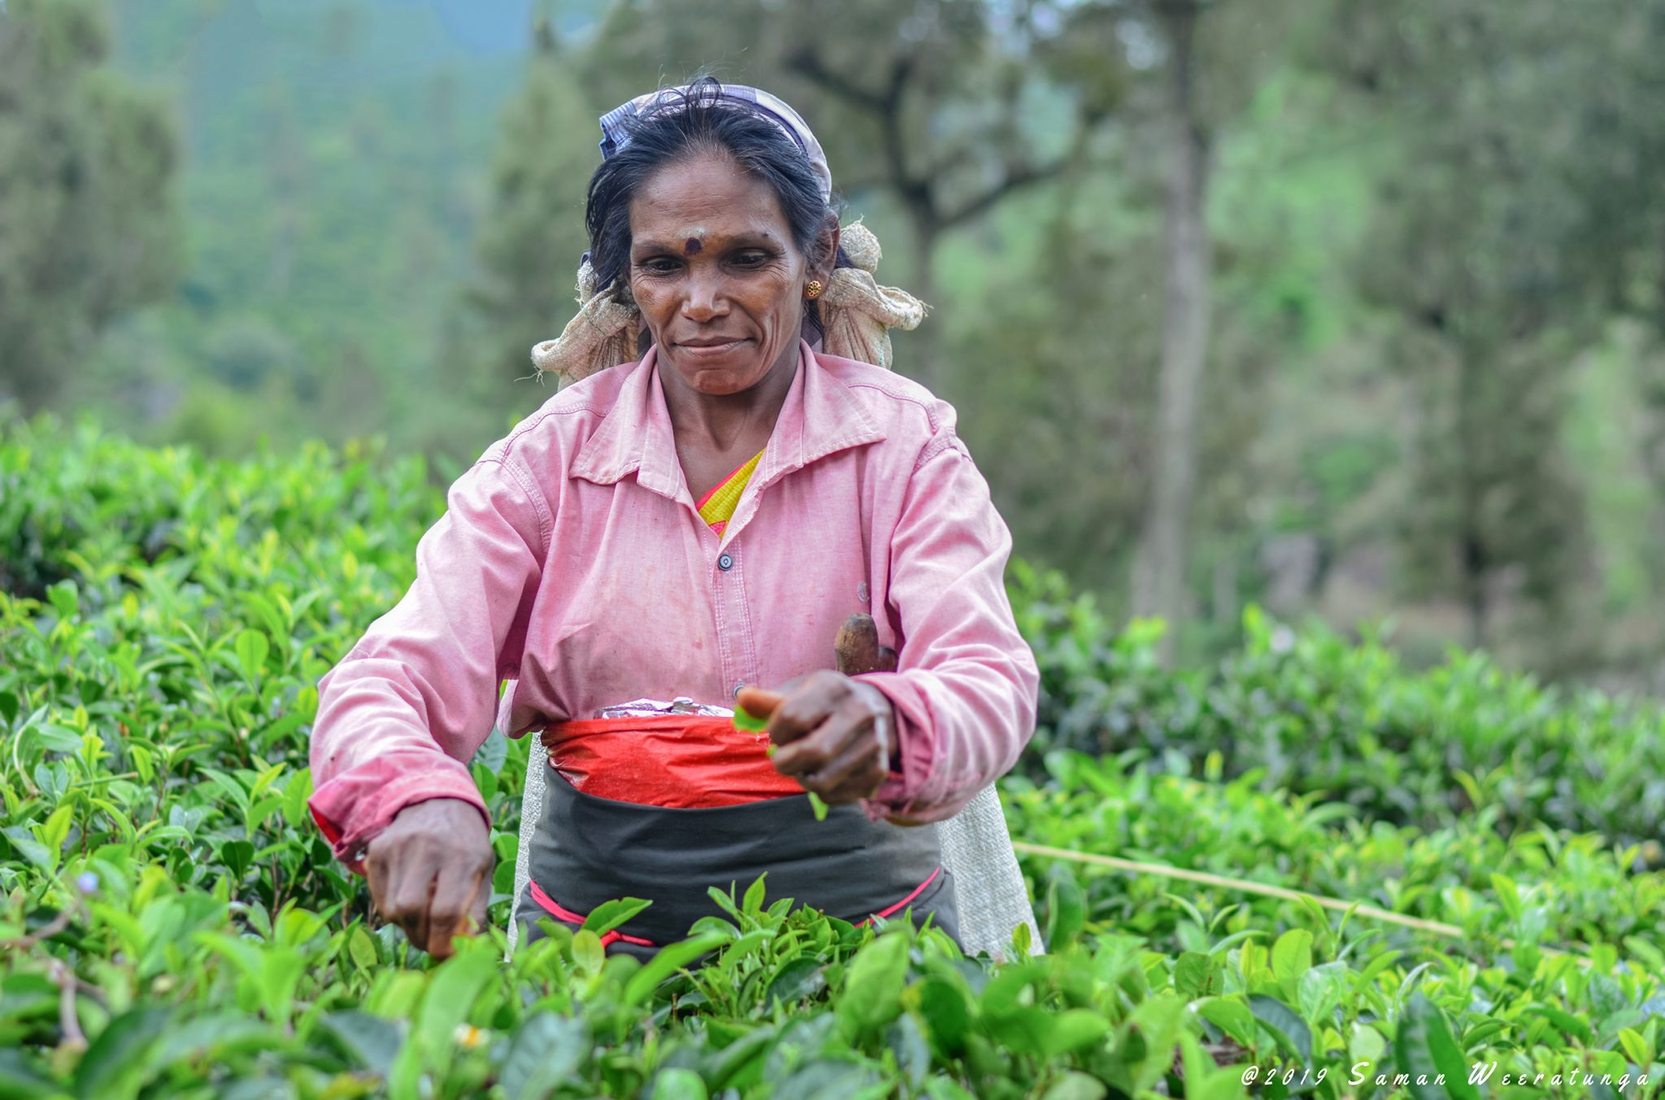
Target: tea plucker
{"points": [[730, 476]]}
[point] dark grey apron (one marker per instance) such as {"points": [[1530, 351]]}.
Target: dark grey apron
{"points": [[589, 850]]}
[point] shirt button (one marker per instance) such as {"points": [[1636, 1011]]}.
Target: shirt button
{"points": [[726, 562]]}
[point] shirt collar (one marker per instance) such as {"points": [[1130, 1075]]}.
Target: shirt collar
{"points": [[820, 417]]}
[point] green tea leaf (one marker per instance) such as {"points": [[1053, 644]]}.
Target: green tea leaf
{"points": [[678, 1084], [237, 855], [817, 806], [452, 989], [1192, 973], [752, 903], [746, 720], [947, 1014], [1507, 895], [546, 1051], [1425, 1050], [668, 961], [872, 993], [796, 979], [1284, 1024], [362, 949], [611, 914], [588, 954], [1230, 1016], [373, 1041], [1160, 1019], [252, 650], [54, 831], [1292, 957], [1075, 1029], [30, 848], [65, 598], [1636, 1047], [1066, 907], [112, 1065]]}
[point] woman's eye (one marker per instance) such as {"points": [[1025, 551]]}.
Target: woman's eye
{"points": [[752, 259], [658, 265]]}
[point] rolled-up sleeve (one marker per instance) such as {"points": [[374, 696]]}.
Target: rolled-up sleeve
{"points": [[965, 687], [405, 709]]}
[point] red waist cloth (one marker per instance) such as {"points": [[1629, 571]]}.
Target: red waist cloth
{"points": [[674, 760]]}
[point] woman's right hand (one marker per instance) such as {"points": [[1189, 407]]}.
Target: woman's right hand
{"points": [[430, 872]]}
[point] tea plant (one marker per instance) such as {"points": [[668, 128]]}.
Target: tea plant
{"points": [[1315, 714], [172, 924]]}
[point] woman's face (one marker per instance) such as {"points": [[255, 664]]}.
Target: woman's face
{"points": [[715, 274]]}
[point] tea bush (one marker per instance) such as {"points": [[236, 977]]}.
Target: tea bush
{"points": [[172, 925], [1313, 713]]}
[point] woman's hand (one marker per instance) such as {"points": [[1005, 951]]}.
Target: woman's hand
{"points": [[430, 872], [832, 734]]}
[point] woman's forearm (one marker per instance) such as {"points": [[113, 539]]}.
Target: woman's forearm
{"points": [[403, 712]]}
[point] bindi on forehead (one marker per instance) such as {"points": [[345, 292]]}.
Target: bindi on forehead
{"points": [[690, 239]]}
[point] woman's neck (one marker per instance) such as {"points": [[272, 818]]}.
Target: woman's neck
{"points": [[724, 424]]}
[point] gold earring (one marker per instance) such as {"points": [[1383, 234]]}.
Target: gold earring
{"points": [[814, 289]]}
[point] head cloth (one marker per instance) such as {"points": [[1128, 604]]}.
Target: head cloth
{"points": [[855, 311], [616, 124]]}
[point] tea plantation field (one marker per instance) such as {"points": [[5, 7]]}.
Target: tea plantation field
{"points": [[172, 925]]}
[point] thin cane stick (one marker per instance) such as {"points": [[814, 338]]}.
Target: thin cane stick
{"points": [[1207, 879]]}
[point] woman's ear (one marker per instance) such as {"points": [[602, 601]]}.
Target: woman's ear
{"points": [[828, 251]]}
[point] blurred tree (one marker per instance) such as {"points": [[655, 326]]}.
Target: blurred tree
{"points": [[88, 226], [532, 235], [1209, 58], [1162, 566], [1522, 212], [1061, 351], [949, 107]]}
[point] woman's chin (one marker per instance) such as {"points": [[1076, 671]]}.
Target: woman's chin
{"points": [[719, 379]]}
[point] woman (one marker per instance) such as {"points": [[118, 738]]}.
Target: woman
{"points": [[695, 525]]}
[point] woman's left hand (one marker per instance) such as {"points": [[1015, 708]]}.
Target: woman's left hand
{"points": [[833, 734]]}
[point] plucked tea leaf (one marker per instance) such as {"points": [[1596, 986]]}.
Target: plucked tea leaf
{"points": [[751, 723]]}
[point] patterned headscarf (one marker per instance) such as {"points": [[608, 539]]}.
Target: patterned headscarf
{"points": [[856, 312]]}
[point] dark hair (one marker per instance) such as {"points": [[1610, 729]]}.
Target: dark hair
{"points": [[695, 121]]}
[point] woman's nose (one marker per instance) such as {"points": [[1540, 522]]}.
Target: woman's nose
{"points": [[704, 298]]}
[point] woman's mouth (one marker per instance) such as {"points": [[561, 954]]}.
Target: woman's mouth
{"points": [[708, 349]]}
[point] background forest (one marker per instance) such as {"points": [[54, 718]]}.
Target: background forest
{"points": [[1351, 308]]}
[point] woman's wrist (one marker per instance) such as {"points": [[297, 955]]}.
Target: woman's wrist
{"points": [[884, 725]]}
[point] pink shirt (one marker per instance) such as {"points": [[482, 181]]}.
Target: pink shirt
{"points": [[571, 561]]}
